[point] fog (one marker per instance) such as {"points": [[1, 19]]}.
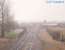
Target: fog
{"points": [[37, 11]]}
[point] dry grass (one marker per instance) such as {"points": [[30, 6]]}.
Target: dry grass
{"points": [[56, 29], [49, 43], [5, 43], [53, 46]]}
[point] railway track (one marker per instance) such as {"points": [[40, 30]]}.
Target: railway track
{"points": [[29, 41]]}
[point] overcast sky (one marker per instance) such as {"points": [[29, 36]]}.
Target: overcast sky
{"points": [[37, 10]]}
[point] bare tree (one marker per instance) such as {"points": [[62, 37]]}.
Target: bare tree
{"points": [[7, 20], [2, 3]]}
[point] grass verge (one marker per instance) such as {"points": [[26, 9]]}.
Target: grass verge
{"points": [[10, 35]]}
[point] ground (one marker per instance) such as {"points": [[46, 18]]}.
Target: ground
{"points": [[49, 43], [6, 42], [32, 39]]}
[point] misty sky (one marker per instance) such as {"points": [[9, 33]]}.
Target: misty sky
{"points": [[37, 10]]}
